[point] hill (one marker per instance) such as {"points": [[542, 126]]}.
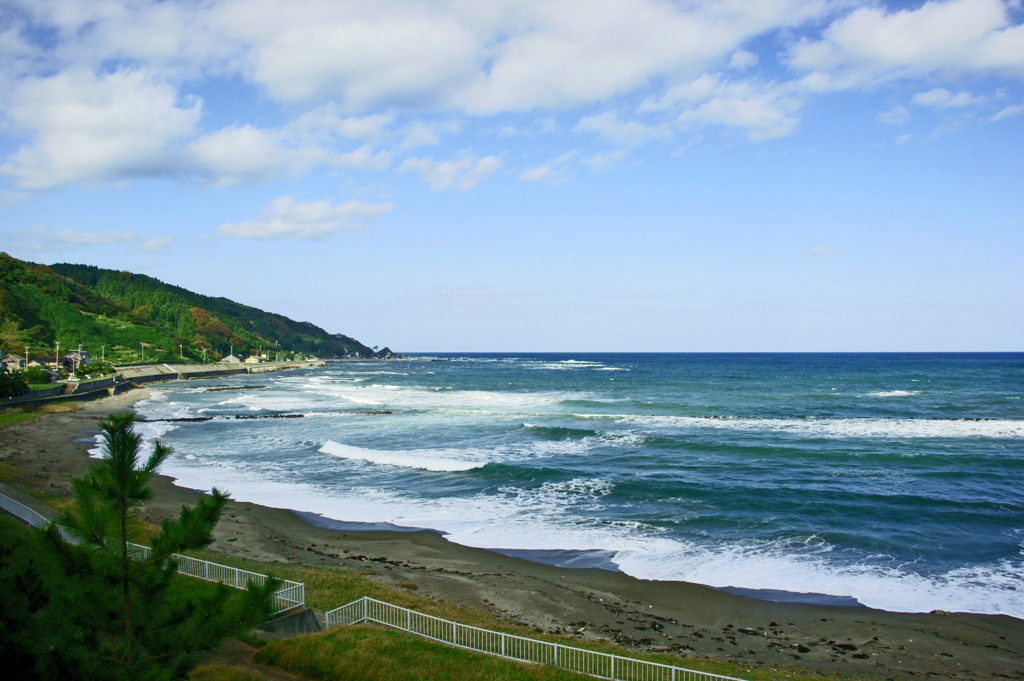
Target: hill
{"points": [[74, 304]]}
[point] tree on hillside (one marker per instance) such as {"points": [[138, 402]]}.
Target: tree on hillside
{"points": [[119, 611]]}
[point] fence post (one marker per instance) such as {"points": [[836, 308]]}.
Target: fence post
{"points": [[408, 620], [503, 645], [613, 666]]}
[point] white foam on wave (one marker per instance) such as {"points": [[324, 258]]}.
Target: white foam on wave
{"points": [[833, 428], [442, 460], [894, 393], [777, 565], [423, 398], [561, 515], [564, 364]]}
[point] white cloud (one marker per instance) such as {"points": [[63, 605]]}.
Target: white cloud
{"points": [[40, 238], [351, 71], [610, 127], [762, 118], [422, 134], [603, 162], [873, 44], [764, 110], [553, 172], [130, 124], [944, 99], [156, 243], [459, 173], [325, 123], [286, 218], [95, 128], [8, 198], [476, 57], [825, 249], [1007, 112], [897, 115], [87, 239], [741, 59], [363, 158], [903, 139], [242, 155], [562, 54]]}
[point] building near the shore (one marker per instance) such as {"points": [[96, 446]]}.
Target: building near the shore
{"points": [[12, 362], [252, 360], [231, 359], [49, 362], [81, 357]]}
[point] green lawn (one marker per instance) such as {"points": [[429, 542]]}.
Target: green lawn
{"points": [[10, 418]]}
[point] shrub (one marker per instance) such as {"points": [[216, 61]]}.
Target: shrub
{"points": [[12, 384]]}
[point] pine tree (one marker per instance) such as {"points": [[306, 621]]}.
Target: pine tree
{"points": [[149, 622]]}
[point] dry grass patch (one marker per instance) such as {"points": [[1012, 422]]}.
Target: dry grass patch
{"points": [[218, 671]]}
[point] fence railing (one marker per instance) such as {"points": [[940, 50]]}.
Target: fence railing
{"points": [[290, 595], [366, 609], [590, 662]]}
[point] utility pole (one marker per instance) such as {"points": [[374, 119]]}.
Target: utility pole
{"points": [[204, 355], [143, 345], [26, 358], [181, 351], [56, 359], [103, 354], [78, 360]]}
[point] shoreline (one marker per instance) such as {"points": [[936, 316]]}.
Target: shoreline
{"points": [[589, 602]]}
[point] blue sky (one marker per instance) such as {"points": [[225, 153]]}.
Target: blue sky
{"points": [[786, 175]]}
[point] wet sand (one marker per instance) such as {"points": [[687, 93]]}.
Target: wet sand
{"points": [[677, 617]]}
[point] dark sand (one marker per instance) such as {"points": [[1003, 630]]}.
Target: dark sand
{"points": [[687, 619]]}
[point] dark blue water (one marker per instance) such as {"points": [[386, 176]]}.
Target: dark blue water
{"points": [[895, 479]]}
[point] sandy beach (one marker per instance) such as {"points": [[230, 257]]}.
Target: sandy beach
{"points": [[687, 619]]}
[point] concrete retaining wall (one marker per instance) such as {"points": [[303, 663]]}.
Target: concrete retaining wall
{"points": [[86, 386]]}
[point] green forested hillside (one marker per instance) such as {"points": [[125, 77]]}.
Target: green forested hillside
{"points": [[82, 304]]}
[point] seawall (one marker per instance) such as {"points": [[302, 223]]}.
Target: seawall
{"points": [[127, 376]]}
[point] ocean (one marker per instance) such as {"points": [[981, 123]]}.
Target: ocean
{"points": [[896, 480]]}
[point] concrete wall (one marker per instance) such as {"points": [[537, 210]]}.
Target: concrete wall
{"points": [[86, 386], [56, 394]]}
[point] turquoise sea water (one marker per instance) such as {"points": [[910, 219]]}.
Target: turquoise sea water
{"points": [[895, 479]]}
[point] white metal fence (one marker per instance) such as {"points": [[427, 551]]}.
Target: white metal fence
{"points": [[601, 665], [366, 609], [290, 595]]}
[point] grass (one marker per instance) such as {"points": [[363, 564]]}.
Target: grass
{"points": [[10, 418], [218, 671], [364, 653]]}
